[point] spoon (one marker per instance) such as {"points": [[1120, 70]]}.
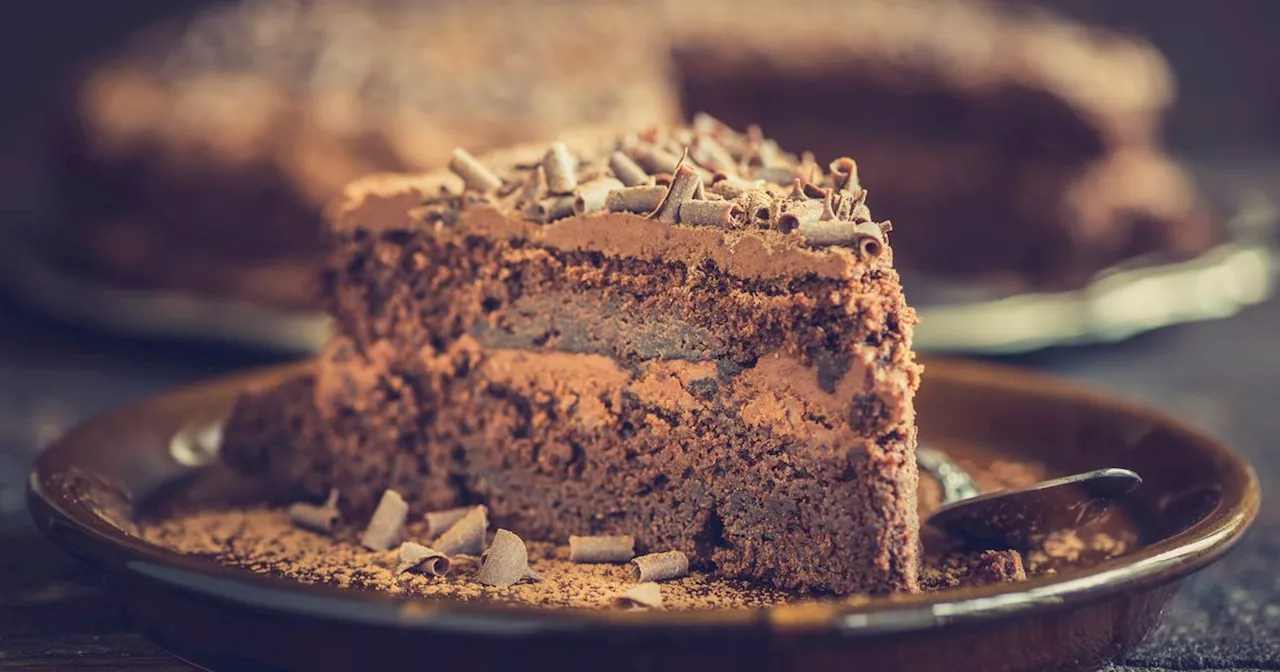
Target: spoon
{"points": [[1010, 518]]}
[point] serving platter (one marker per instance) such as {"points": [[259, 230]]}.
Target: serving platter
{"points": [[89, 490]]}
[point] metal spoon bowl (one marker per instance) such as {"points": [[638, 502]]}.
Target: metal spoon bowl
{"points": [[1010, 518]]}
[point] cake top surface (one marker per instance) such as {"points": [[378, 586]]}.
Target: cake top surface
{"points": [[684, 193], [968, 44]]}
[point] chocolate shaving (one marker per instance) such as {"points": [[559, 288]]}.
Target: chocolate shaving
{"points": [[732, 187], [776, 174], [626, 170], [644, 199], [661, 566], [812, 190], [620, 548], [466, 535], [594, 195], [647, 595], [551, 209], [418, 557], [320, 518], [439, 521], [759, 207], [798, 214], [685, 186], [561, 169], [506, 562], [869, 241], [844, 174], [809, 169], [828, 213], [828, 232], [861, 213], [797, 191], [711, 154], [710, 213], [658, 160], [473, 173], [387, 523]]}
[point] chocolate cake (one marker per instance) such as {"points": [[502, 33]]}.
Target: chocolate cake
{"points": [[200, 155], [1022, 147], [684, 335]]}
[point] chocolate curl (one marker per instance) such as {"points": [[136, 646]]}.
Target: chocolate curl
{"points": [[561, 169], [473, 173], [776, 174], [551, 209], [798, 214], [812, 190], [825, 233], [759, 207], [387, 523], [711, 154], [844, 175], [861, 213], [467, 535], [657, 160], [506, 562], [439, 521], [661, 566], [731, 186], [323, 518], [594, 195], [828, 213], [685, 186], [640, 200], [428, 560], [626, 170], [809, 169], [710, 213], [602, 549], [797, 191], [869, 241], [647, 595]]}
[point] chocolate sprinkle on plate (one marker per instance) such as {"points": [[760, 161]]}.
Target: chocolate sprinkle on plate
{"points": [[387, 523], [467, 535], [661, 566], [506, 562]]}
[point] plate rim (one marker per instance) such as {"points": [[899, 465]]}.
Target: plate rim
{"points": [[75, 528]]}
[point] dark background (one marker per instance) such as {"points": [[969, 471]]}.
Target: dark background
{"points": [[1223, 376]]}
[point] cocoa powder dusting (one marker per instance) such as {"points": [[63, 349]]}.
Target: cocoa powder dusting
{"points": [[262, 540]]}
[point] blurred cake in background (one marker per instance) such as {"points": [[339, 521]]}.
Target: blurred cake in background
{"points": [[1022, 147], [200, 156]]}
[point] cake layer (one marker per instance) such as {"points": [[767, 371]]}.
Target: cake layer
{"points": [[725, 369]]}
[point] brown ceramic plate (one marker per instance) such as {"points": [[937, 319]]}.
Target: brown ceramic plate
{"points": [[1196, 500]]}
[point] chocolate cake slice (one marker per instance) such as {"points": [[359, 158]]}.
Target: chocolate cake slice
{"points": [[685, 335]]}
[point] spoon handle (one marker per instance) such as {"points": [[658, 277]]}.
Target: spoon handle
{"points": [[957, 484]]}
